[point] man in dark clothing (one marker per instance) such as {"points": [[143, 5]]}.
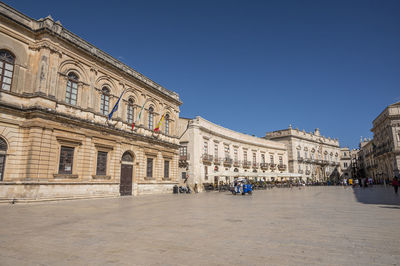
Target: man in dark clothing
{"points": [[395, 184]]}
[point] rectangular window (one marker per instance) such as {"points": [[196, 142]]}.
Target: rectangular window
{"points": [[345, 164], [254, 157], [235, 154], [271, 157], [305, 155], [263, 158], [71, 92], [183, 151], [130, 114], [101, 168], [216, 150], [66, 160], [205, 147], [149, 169], [280, 160], [205, 173], [183, 175], [227, 151], [298, 154], [245, 156], [166, 169]]}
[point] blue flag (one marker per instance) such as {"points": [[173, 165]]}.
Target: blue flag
{"points": [[115, 108]]}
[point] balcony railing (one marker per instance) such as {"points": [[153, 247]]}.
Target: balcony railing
{"points": [[228, 161], [264, 166], [183, 160], [272, 166], [282, 167], [254, 164], [217, 160], [300, 159], [236, 163], [301, 171], [246, 164], [308, 172], [207, 158]]}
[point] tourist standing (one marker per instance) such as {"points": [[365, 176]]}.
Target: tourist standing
{"points": [[395, 184]]}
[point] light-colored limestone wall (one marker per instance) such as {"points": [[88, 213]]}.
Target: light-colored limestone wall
{"points": [[36, 120], [201, 131]]}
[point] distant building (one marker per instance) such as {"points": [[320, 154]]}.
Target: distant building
{"points": [[367, 163], [345, 163], [310, 154], [210, 153], [386, 143]]}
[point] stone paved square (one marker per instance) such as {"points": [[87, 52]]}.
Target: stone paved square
{"points": [[307, 226]]}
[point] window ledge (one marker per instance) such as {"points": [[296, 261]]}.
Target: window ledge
{"points": [[65, 176], [166, 179], [104, 177], [149, 178]]}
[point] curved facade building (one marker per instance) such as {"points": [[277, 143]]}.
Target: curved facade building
{"points": [[210, 153]]}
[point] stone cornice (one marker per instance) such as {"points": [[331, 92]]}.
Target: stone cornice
{"points": [[55, 28], [211, 128], [51, 115]]}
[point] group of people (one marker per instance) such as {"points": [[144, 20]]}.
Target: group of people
{"points": [[365, 182]]}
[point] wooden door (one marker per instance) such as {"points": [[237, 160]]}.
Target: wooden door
{"points": [[125, 187]]}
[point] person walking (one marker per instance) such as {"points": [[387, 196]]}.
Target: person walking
{"points": [[395, 184]]}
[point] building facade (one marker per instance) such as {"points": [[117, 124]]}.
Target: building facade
{"points": [[386, 142], [345, 163], [366, 160], [211, 154], [315, 157], [56, 139]]}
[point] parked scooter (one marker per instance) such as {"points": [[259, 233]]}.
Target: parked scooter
{"points": [[186, 189]]}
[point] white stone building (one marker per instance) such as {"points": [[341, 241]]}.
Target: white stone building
{"points": [[310, 154], [211, 153], [386, 143]]}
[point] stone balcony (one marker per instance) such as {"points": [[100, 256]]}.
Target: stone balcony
{"points": [[300, 159], [236, 163], [264, 166], [255, 165], [207, 158], [282, 167], [183, 160], [272, 166], [246, 164], [228, 162], [308, 172], [217, 160], [300, 171]]}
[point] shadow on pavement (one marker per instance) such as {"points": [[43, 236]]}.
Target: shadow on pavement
{"points": [[377, 194]]}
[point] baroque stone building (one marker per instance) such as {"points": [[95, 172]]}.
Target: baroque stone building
{"points": [[314, 156], [211, 153], [345, 163], [366, 160], [55, 137], [386, 141]]}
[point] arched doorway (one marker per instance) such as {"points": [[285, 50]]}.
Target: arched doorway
{"points": [[3, 152], [125, 187]]}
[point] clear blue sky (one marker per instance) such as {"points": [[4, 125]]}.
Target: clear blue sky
{"points": [[254, 66]]}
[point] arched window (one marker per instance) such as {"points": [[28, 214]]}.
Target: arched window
{"points": [[3, 152], [130, 113], [151, 118], [72, 88], [105, 100], [127, 157], [6, 69], [167, 124]]}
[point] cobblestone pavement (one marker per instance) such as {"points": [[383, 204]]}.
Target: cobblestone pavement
{"points": [[308, 226]]}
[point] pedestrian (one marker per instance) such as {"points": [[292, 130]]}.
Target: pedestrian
{"points": [[395, 184]]}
